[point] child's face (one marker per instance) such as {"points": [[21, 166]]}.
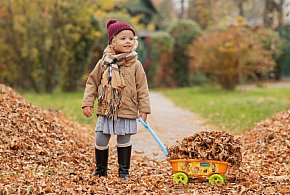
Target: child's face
{"points": [[124, 41]]}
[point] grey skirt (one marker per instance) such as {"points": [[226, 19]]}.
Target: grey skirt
{"points": [[120, 126]]}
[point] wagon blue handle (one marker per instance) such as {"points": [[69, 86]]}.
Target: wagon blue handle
{"points": [[147, 126]]}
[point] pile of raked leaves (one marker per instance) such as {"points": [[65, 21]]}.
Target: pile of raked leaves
{"points": [[42, 152], [209, 145]]}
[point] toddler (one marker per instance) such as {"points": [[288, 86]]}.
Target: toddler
{"points": [[119, 83]]}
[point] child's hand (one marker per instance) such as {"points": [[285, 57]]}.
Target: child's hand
{"points": [[88, 111], [143, 115]]}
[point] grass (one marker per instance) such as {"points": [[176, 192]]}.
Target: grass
{"points": [[69, 103], [235, 111]]}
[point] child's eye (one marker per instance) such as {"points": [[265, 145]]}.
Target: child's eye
{"points": [[122, 38], [131, 39]]}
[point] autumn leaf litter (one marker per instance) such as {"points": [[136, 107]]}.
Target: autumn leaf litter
{"points": [[42, 151], [209, 145]]}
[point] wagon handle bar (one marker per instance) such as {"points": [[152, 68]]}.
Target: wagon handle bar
{"points": [[153, 134]]}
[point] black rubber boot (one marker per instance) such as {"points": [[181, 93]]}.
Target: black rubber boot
{"points": [[101, 162], [124, 157]]}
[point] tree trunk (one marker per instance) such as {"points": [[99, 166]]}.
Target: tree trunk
{"points": [[270, 7], [181, 15], [280, 14], [241, 8]]}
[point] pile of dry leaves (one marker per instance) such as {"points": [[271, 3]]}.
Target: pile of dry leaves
{"points": [[267, 156], [42, 152], [213, 145]]}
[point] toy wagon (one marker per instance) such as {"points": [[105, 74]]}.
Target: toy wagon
{"points": [[184, 169]]}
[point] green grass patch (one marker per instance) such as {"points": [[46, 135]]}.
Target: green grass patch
{"points": [[69, 103], [235, 111]]}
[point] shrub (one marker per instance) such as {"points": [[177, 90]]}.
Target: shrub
{"points": [[284, 60], [158, 64], [231, 56], [198, 78], [271, 42], [183, 33]]}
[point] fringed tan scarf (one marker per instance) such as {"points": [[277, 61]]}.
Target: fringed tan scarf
{"points": [[112, 80]]}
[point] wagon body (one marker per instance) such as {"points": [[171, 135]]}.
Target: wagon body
{"points": [[199, 168]]}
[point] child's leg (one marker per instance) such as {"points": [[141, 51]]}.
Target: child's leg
{"points": [[102, 140], [123, 140], [101, 152], [124, 154]]}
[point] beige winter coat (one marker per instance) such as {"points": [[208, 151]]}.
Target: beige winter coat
{"points": [[135, 96]]}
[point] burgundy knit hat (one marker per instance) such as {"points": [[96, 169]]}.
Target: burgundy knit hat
{"points": [[114, 27]]}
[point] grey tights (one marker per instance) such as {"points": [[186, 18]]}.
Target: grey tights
{"points": [[103, 139]]}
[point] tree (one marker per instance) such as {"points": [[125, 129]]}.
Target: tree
{"points": [[209, 12], [234, 55], [165, 14], [45, 42]]}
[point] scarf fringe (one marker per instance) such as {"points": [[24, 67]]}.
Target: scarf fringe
{"points": [[114, 97]]}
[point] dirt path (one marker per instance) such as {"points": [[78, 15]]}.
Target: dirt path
{"points": [[169, 122]]}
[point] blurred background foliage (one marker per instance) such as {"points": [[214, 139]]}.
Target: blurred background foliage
{"points": [[48, 45], [235, 55], [183, 32]]}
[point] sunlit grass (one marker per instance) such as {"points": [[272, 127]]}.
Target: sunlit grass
{"points": [[235, 111], [69, 103]]}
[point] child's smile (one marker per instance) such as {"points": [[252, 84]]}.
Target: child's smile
{"points": [[124, 41]]}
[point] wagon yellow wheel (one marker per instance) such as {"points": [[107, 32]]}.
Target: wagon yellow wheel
{"points": [[180, 177], [216, 178]]}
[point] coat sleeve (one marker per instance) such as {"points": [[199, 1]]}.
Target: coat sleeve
{"points": [[142, 90], [91, 89]]}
